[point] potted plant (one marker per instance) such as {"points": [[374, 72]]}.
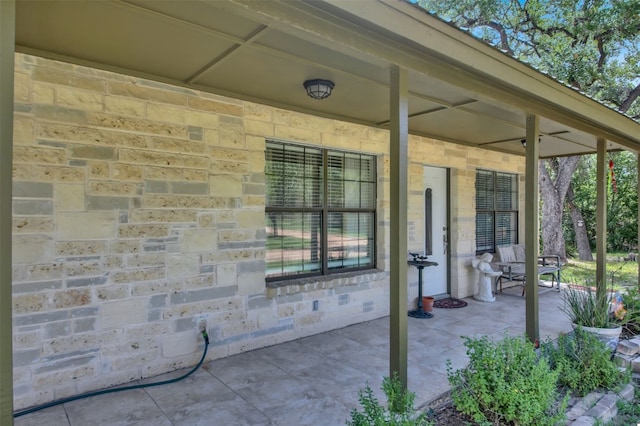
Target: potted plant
{"points": [[427, 303], [594, 313]]}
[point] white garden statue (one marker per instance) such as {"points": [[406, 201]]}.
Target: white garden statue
{"points": [[485, 275]]}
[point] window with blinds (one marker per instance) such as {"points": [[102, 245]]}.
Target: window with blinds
{"points": [[496, 210], [320, 208]]}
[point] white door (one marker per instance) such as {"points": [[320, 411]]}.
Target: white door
{"points": [[436, 226]]}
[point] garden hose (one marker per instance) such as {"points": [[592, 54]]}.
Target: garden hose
{"points": [[205, 336]]}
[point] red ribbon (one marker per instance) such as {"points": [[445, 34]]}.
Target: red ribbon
{"points": [[613, 177]]}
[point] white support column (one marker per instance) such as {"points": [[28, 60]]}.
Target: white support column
{"points": [[638, 189], [399, 139], [601, 217], [7, 51], [532, 227]]}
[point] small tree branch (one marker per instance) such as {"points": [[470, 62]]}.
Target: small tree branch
{"points": [[504, 39], [602, 57], [633, 95]]}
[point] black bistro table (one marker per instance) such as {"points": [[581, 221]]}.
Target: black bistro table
{"points": [[420, 262]]}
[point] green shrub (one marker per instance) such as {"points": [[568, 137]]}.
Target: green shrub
{"points": [[506, 383], [628, 412], [400, 411], [585, 308], [583, 363], [631, 305]]}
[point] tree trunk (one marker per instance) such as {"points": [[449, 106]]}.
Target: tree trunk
{"points": [[554, 180], [580, 229], [551, 220]]}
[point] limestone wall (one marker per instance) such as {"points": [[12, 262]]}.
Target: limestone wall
{"points": [[463, 163], [139, 214]]}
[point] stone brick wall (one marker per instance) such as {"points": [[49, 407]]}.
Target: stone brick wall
{"points": [[139, 214], [463, 163]]}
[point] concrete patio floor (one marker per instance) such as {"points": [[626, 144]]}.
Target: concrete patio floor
{"points": [[313, 380]]}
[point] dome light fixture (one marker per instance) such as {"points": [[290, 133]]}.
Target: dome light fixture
{"points": [[524, 142], [318, 88]]}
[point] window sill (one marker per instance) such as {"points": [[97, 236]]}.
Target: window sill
{"points": [[355, 279]]}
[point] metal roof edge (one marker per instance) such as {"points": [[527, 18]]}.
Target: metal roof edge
{"points": [[499, 70]]}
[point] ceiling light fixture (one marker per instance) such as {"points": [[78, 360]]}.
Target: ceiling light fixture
{"points": [[318, 89], [524, 142]]}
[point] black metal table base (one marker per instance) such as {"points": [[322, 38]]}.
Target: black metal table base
{"points": [[419, 313]]}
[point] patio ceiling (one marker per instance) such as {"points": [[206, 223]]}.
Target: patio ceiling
{"points": [[460, 90]]}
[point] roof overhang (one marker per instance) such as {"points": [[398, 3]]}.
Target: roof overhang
{"points": [[460, 89]]}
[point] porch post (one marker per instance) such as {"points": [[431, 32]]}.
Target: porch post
{"points": [[601, 217], [7, 50], [399, 137], [638, 189], [531, 227]]}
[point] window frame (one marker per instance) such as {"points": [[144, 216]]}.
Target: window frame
{"points": [[325, 210], [495, 211]]}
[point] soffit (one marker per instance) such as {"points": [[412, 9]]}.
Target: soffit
{"points": [[263, 51]]}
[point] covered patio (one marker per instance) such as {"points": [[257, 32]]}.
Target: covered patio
{"points": [[398, 72], [313, 380]]}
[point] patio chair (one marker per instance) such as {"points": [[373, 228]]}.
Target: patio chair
{"points": [[512, 265]]}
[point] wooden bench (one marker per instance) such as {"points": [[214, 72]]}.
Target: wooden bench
{"points": [[512, 265]]}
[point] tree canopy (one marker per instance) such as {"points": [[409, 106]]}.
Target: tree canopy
{"points": [[591, 45]]}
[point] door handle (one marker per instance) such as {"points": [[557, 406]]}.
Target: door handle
{"points": [[445, 243]]}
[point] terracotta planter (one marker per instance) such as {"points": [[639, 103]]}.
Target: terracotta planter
{"points": [[427, 303], [608, 336]]}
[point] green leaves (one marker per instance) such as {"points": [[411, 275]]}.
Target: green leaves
{"points": [[506, 383], [592, 45], [399, 411], [586, 309], [584, 363], [622, 204]]}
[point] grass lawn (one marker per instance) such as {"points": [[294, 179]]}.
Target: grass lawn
{"points": [[621, 274]]}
